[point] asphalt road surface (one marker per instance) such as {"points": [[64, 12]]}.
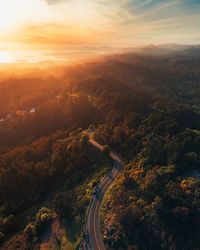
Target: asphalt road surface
{"points": [[93, 239]]}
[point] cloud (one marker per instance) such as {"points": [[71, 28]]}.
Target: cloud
{"points": [[99, 22], [54, 33], [55, 1]]}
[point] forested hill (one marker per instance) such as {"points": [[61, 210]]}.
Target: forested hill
{"points": [[147, 108]]}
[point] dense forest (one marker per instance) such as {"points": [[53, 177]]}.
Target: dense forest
{"points": [[147, 109]]}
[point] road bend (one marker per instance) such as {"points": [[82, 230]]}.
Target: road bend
{"points": [[93, 239]]}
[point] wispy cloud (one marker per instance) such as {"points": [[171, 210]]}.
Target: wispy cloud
{"points": [[98, 22]]}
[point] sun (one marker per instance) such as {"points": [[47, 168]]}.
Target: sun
{"points": [[5, 57]]}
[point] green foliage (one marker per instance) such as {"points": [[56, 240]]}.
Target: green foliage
{"points": [[30, 231], [148, 108], [63, 205], [9, 224], [2, 237], [94, 183], [84, 138], [106, 150], [43, 218]]}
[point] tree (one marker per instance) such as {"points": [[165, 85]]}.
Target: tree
{"points": [[10, 224], [84, 138], [2, 237], [63, 206], [106, 150], [43, 218], [29, 231]]}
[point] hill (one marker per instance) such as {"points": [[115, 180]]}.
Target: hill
{"points": [[146, 108]]}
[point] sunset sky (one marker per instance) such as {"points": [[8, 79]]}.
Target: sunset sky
{"points": [[35, 30]]}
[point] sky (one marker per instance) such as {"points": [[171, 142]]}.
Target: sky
{"points": [[35, 30]]}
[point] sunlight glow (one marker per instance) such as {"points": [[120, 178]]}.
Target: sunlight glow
{"points": [[5, 57], [59, 27], [15, 13], [80, 11], [8, 15]]}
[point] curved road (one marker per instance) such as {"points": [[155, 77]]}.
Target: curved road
{"points": [[92, 239]]}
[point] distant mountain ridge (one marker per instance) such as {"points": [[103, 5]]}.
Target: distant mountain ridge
{"points": [[165, 49]]}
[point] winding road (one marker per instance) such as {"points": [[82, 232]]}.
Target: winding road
{"points": [[92, 236]]}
